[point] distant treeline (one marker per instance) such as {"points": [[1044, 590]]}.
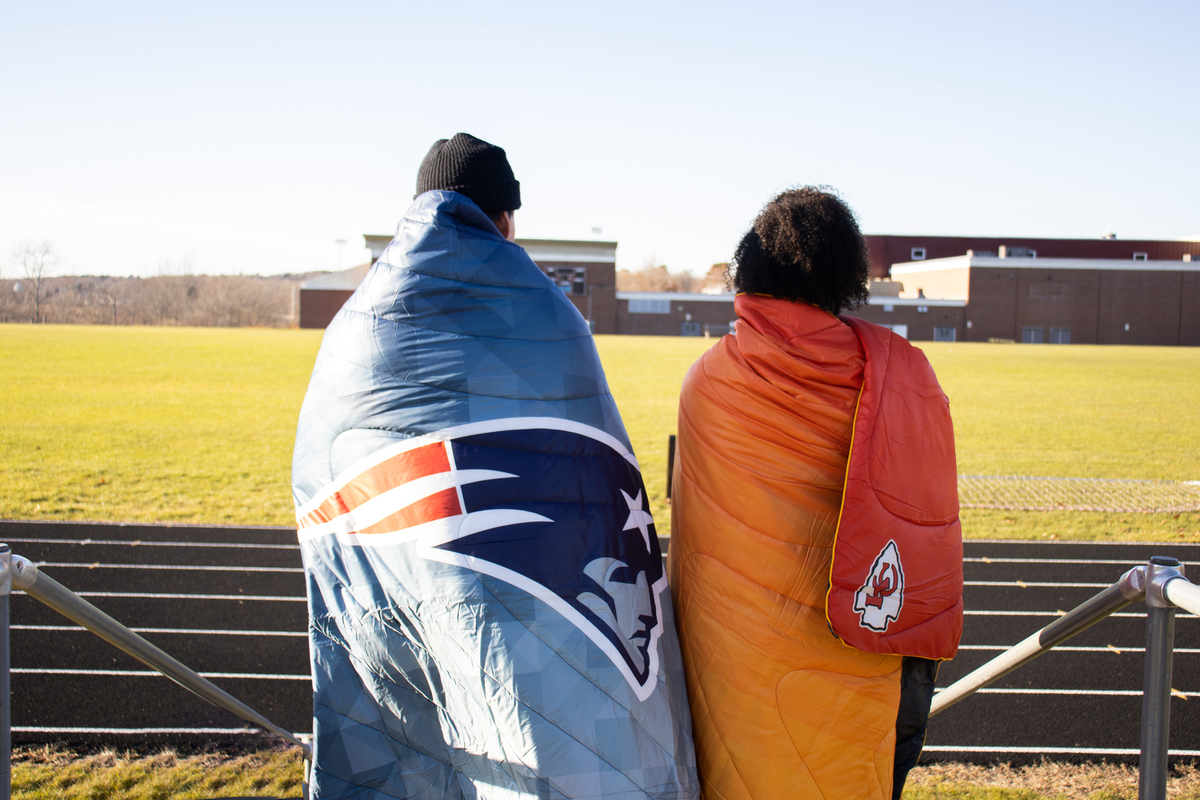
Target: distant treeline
{"points": [[657, 278], [228, 301], [203, 300]]}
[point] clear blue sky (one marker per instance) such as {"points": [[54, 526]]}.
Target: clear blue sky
{"points": [[248, 137]]}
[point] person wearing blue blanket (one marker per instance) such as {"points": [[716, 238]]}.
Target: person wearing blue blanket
{"points": [[488, 608]]}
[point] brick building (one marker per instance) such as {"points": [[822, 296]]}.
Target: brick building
{"points": [[322, 297], [1064, 300], [885, 250], [586, 271], [673, 313], [1135, 292]]}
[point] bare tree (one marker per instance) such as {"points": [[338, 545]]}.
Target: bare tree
{"points": [[654, 277], [718, 280], [36, 262]]}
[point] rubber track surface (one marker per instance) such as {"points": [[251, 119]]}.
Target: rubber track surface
{"points": [[1074, 703], [1086, 694], [255, 623]]}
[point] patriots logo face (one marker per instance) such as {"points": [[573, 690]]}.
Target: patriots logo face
{"points": [[879, 600], [552, 507]]}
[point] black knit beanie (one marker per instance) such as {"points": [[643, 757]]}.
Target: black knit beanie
{"points": [[472, 167]]}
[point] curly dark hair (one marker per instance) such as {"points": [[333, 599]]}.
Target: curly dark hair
{"points": [[805, 245]]}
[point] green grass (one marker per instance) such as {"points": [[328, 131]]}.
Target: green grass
{"points": [[197, 424], [644, 374], [151, 424], [1073, 412], [170, 424]]}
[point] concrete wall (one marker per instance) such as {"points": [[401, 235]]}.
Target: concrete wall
{"points": [[943, 284]]}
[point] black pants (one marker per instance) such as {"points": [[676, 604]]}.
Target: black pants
{"points": [[916, 693]]}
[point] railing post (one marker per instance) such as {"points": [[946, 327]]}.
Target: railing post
{"points": [[670, 463], [1156, 679], [5, 686]]}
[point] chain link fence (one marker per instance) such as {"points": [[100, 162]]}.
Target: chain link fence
{"points": [[1011, 492]]}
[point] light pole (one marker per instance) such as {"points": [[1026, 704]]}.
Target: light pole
{"points": [[340, 244]]}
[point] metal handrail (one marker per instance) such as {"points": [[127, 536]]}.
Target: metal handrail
{"points": [[1131, 587], [1162, 585], [20, 573]]}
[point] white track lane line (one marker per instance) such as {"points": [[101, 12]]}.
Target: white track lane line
{"points": [[1109, 649], [140, 543], [98, 565], [1083, 692], [166, 596], [189, 631], [131, 673], [1040, 584], [1095, 751], [1117, 561], [1027, 542], [143, 731], [1131, 615]]}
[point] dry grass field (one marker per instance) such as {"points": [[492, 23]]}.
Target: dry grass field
{"points": [[47, 773]]}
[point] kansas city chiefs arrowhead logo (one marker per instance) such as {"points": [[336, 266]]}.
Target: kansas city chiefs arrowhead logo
{"points": [[879, 600]]}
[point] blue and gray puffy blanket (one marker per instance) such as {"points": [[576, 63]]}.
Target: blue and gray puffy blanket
{"points": [[488, 609]]}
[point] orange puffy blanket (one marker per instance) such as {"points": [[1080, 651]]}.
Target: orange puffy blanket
{"points": [[781, 707]]}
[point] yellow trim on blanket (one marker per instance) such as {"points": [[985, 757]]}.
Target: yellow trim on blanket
{"points": [[842, 507]]}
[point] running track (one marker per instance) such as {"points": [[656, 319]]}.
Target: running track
{"points": [[229, 602]]}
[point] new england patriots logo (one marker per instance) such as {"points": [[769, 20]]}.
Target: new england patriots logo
{"points": [[552, 507]]}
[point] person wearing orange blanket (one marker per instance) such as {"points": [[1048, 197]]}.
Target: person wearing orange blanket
{"points": [[816, 553]]}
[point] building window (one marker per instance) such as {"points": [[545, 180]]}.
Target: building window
{"points": [[899, 330], [918, 254], [649, 305], [922, 309], [1031, 335], [943, 334], [1139, 256], [888, 307], [572, 280], [1060, 336]]}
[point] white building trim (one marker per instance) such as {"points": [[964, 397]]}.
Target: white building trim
{"points": [[347, 279], [1110, 264], [570, 251], [677, 297], [915, 301], [562, 250]]}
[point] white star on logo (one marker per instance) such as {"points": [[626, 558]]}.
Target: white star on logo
{"points": [[637, 517]]}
